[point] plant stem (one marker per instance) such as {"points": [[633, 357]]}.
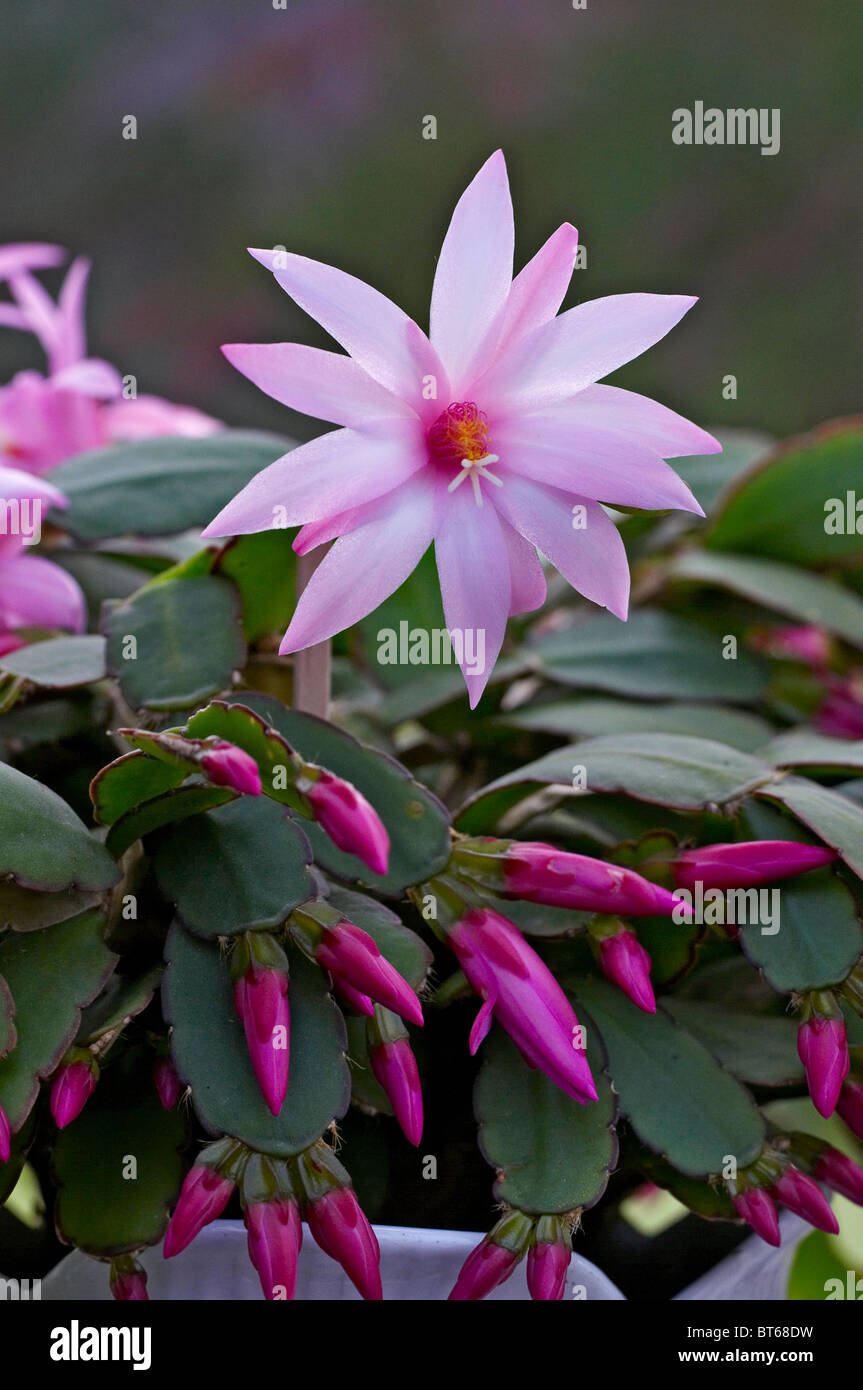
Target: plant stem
{"points": [[312, 665]]}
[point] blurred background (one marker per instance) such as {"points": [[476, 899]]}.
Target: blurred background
{"points": [[303, 126]]}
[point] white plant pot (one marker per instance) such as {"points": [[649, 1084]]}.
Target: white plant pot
{"points": [[416, 1264]]}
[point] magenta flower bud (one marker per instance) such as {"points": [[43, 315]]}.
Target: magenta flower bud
{"points": [[841, 714], [129, 1285], [361, 1003], [547, 1265], [203, 1197], [525, 998], [758, 1210], [748, 864], [5, 1136], [74, 1083], [807, 643], [850, 1106], [342, 1230], [842, 1174], [350, 821], [542, 874], [625, 962], [800, 1194], [275, 1234], [487, 1266], [261, 1001], [353, 957], [168, 1085], [822, 1047], [226, 765], [395, 1068]]}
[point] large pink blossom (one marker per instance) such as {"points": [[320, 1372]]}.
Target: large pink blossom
{"points": [[79, 405], [489, 437]]}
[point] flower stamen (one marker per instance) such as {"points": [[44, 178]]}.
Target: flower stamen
{"points": [[476, 469]]}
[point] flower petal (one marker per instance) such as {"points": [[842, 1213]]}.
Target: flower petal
{"points": [[72, 333], [326, 385], [91, 377], [473, 567], [28, 255], [34, 592], [591, 558], [330, 474], [638, 418], [576, 349], [377, 334], [591, 462], [527, 577], [474, 273], [145, 417], [364, 568], [537, 291]]}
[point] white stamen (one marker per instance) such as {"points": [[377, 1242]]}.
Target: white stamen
{"points": [[476, 469]]}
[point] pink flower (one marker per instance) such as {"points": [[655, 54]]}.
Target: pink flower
{"points": [[395, 1068], [351, 822], [354, 998], [625, 962], [353, 957], [850, 1106], [798, 1192], [168, 1085], [842, 1174], [748, 864], [275, 1235], [547, 1265], [841, 713], [228, 766], [542, 874], [525, 998], [74, 1083], [34, 592], [758, 1210], [79, 405], [128, 1281], [342, 1230], [822, 1046], [484, 1269], [490, 437], [203, 1197], [261, 1001]]}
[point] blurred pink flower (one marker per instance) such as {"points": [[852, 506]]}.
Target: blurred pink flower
{"points": [[34, 592], [501, 396], [79, 405]]}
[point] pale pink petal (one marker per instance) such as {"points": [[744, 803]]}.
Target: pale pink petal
{"points": [[36, 593], [377, 334], [72, 343], [473, 567], [316, 533], [148, 417], [332, 473], [15, 482], [28, 255], [40, 311], [474, 273], [537, 291], [527, 576], [92, 377], [323, 384], [13, 317], [640, 419], [591, 462], [576, 349], [591, 558], [365, 567]]}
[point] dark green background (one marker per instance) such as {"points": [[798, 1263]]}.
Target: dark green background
{"points": [[303, 127]]}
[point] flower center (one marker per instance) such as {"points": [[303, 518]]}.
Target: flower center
{"points": [[459, 437]]}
